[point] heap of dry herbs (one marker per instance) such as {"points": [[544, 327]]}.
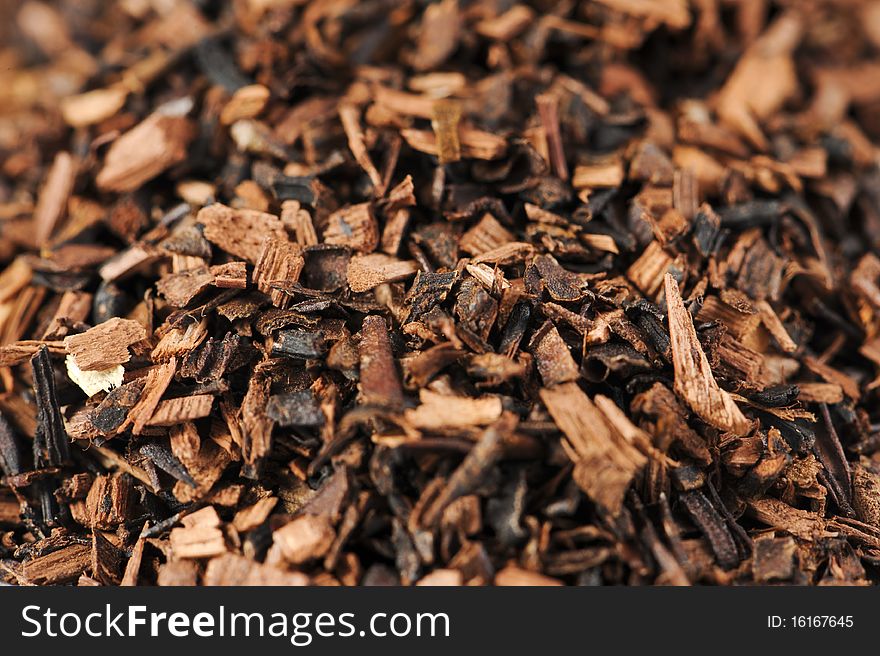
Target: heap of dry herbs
{"points": [[396, 291]]}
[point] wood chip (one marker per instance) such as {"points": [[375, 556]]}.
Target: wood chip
{"points": [[694, 381], [240, 232], [144, 152], [186, 408], [105, 345], [605, 463]]}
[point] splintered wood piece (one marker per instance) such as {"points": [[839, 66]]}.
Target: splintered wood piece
{"points": [[763, 79], [130, 261], [254, 515], [52, 202], [445, 115], [774, 326], [14, 278], [298, 221], [686, 193], [279, 261], [180, 288], [548, 110], [233, 570], [20, 352], [106, 560], [246, 102], [866, 495], [380, 382], [200, 536], [353, 226], [61, 566], [438, 411], [778, 514], [232, 275], [350, 117], [105, 345], [552, 356], [73, 308], [694, 381], [368, 271], [153, 146], [185, 408], [240, 232], [157, 382], [180, 340], [597, 176], [605, 463], [831, 375], [486, 235], [133, 566], [308, 537], [439, 33], [774, 559], [474, 144], [256, 424], [395, 229], [110, 501]]}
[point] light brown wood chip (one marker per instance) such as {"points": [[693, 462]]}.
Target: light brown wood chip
{"points": [[605, 463], [105, 345], [145, 151], [298, 221], [61, 566], [694, 381], [279, 261], [246, 102], [240, 232], [231, 275], [353, 226], [157, 382], [200, 536], [553, 358], [350, 117], [598, 175], [486, 235], [52, 202], [475, 144], [180, 288], [368, 271], [763, 79], [445, 411], [181, 409], [231, 569], [305, 538], [252, 516], [513, 575], [93, 106], [445, 115]]}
